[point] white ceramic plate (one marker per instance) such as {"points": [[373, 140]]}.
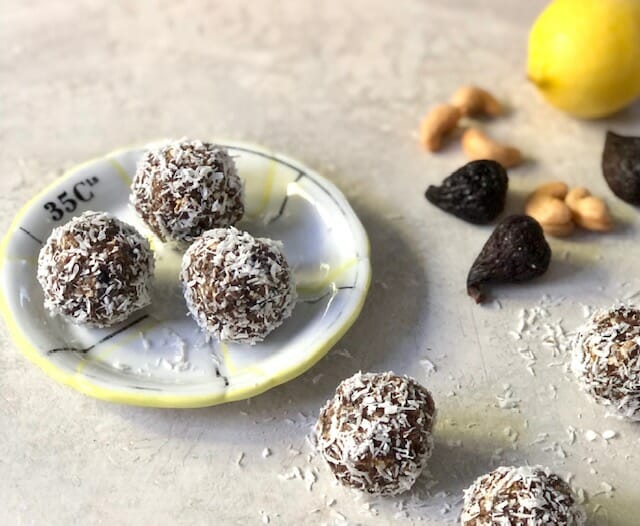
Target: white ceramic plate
{"points": [[159, 357]]}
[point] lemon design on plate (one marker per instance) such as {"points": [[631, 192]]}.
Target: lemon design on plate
{"points": [[584, 55]]}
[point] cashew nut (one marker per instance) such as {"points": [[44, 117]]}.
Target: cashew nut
{"points": [[559, 209], [551, 212], [472, 101], [556, 189], [477, 146], [588, 211], [440, 121], [575, 195]]}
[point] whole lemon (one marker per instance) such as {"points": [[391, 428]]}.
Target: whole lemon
{"points": [[584, 55]]}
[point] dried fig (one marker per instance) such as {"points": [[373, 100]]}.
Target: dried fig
{"points": [[515, 251], [621, 166], [476, 192]]}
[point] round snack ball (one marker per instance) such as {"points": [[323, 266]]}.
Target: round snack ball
{"points": [[375, 433], [181, 189], [95, 269], [237, 287], [521, 496], [606, 359]]}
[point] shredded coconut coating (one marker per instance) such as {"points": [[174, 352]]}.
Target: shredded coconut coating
{"points": [[184, 188], [375, 433], [95, 270], [237, 287], [521, 496], [606, 359]]}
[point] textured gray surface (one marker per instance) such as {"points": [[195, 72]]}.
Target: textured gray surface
{"points": [[341, 86]]}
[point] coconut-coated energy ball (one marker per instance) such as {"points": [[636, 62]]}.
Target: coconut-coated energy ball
{"points": [[238, 288], [521, 496], [181, 189], [606, 359], [95, 269], [375, 433]]}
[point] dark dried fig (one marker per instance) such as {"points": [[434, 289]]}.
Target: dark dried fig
{"points": [[621, 166], [515, 251], [476, 192]]}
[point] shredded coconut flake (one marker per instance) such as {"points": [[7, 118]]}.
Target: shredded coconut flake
{"points": [[590, 435]]}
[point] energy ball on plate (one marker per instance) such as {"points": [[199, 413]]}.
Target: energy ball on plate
{"points": [[181, 189], [375, 433], [95, 269], [606, 359], [237, 287], [521, 496]]}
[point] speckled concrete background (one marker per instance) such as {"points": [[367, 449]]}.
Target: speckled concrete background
{"points": [[340, 85]]}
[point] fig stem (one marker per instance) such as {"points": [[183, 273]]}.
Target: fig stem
{"points": [[476, 293]]}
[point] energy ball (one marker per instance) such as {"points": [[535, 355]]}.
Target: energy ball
{"points": [[606, 359], [95, 270], [521, 496], [375, 433], [238, 288], [181, 189]]}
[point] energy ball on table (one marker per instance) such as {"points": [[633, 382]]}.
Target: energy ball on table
{"points": [[606, 359], [375, 433], [181, 189], [237, 287], [521, 496], [96, 270]]}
